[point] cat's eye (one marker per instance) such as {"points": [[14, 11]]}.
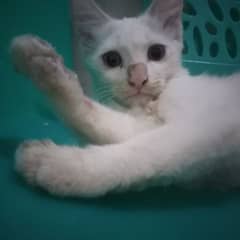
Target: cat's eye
{"points": [[112, 59], [156, 52]]}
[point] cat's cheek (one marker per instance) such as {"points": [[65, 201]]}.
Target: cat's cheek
{"points": [[115, 75], [157, 71]]}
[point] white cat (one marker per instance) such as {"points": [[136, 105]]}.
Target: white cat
{"points": [[173, 128]]}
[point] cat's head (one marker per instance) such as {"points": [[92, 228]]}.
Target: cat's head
{"points": [[137, 56]]}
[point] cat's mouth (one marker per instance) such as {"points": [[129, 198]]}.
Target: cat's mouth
{"points": [[147, 93], [131, 97], [137, 98], [150, 92], [143, 94]]}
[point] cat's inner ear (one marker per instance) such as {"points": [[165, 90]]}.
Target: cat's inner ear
{"points": [[87, 18], [168, 14]]}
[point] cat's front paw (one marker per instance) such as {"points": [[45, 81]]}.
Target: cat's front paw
{"points": [[38, 60], [25, 48], [49, 166], [31, 157], [52, 76]]}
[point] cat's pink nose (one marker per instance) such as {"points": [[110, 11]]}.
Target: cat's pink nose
{"points": [[137, 75]]}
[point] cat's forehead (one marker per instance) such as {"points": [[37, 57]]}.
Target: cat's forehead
{"points": [[134, 27], [129, 32]]}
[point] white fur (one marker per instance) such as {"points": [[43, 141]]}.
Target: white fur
{"points": [[184, 137], [133, 48]]}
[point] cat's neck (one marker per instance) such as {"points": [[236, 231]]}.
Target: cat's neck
{"points": [[155, 106]]}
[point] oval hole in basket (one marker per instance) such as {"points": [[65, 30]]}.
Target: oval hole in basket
{"points": [[235, 14], [186, 25], [197, 37], [211, 29], [214, 49], [189, 9], [185, 48], [216, 9], [231, 43]]}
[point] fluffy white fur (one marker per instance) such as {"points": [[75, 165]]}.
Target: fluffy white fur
{"points": [[185, 131]]}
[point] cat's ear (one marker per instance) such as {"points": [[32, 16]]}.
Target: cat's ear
{"points": [[168, 14], [87, 18]]}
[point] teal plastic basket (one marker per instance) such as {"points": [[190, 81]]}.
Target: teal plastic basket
{"points": [[211, 39], [169, 214], [211, 35]]}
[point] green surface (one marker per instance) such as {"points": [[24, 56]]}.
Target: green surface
{"points": [[27, 213]]}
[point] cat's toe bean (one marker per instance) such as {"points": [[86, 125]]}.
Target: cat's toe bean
{"points": [[48, 73], [26, 47]]}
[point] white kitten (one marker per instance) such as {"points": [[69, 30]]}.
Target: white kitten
{"points": [[140, 60]]}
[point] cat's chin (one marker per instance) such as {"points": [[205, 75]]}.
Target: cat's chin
{"points": [[137, 100]]}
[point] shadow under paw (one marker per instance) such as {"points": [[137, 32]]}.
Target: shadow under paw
{"points": [[8, 147], [165, 199]]}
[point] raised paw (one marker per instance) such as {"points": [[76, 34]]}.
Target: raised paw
{"points": [[51, 75], [25, 48], [38, 60]]}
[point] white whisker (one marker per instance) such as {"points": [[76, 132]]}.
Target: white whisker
{"points": [[103, 91], [104, 95]]}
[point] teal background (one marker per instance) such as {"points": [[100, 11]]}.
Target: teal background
{"points": [[27, 213]]}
